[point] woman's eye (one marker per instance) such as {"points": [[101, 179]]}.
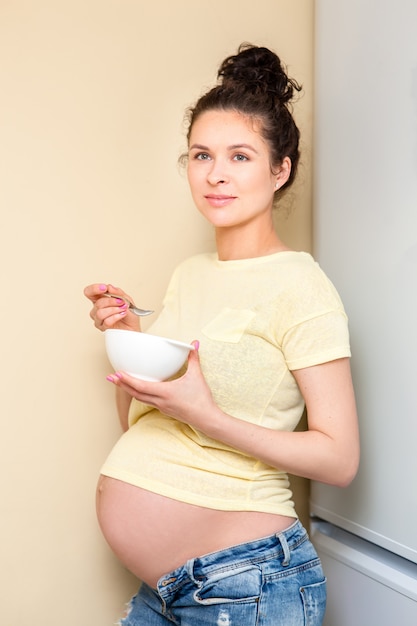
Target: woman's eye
{"points": [[201, 156], [240, 157]]}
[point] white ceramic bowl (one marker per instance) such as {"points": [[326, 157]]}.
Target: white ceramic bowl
{"points": [[145, 356]]}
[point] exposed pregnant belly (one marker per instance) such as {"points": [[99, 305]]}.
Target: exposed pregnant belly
{"points": [[152, 534]]}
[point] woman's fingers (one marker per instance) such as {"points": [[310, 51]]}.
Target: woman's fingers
{"points": [[110, 312]]}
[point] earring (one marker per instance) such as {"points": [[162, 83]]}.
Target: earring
{"points": [[276, 185]]}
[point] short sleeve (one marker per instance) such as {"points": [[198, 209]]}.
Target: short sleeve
{"points": [[313, 322], [317, 340]]}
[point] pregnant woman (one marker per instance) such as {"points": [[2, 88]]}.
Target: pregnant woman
{"points": [[194, 499]]}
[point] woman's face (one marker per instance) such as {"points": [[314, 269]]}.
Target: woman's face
{"points": [[229, 170]]}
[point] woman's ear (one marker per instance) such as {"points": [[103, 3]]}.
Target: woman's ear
{"points": [[283, 174]]}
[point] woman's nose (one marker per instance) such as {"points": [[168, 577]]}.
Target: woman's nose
{"points": [[217, 174]]}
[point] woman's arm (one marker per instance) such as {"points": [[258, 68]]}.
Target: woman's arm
{"points": [[327, 452], [123, 401]]}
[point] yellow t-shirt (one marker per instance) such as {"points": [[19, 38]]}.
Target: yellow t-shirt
{"points": [[256, 320]]}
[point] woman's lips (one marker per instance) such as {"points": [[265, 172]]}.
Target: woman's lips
{"points": [[218, 200]]}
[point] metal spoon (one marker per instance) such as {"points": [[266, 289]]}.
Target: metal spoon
{"points": [[132, 307]]}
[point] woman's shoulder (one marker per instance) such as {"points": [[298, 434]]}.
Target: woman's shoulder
{"points": [[303, 285], [305, 266]]}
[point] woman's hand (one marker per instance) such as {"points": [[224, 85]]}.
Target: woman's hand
{"points": [[188, 398], [110, 312]]}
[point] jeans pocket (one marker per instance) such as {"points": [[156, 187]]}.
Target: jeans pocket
{"points": [[314, 601], [241, 584]]}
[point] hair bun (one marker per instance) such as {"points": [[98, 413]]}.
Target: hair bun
{"points": [[258, 70]]}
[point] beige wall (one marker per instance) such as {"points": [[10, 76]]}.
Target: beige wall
{"points": [[91, 106]]}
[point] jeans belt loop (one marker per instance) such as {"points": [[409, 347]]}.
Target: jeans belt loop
{"points": [[189, 567], [285, 549]]}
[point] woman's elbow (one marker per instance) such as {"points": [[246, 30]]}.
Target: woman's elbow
{"points": [[346, 471]]}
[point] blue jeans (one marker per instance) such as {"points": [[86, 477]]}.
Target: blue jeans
{"points": [[275, 581]]}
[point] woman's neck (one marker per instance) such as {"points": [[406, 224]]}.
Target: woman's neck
{"points": [[233, 245]]}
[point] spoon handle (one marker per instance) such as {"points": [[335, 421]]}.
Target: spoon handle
{"points": [[132, 307]]}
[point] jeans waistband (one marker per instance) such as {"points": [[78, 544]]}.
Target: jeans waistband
{"points": [[278, 545]]}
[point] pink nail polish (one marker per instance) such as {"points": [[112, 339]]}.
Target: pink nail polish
{"points": [[103, 287], [110, 378]]}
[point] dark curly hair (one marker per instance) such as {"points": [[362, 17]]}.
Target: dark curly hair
{"points": [[254, 83]]}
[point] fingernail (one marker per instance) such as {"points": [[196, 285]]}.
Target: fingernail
{"points": [[118, 374], [110, 378], [103, 287], [196, 344]]}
